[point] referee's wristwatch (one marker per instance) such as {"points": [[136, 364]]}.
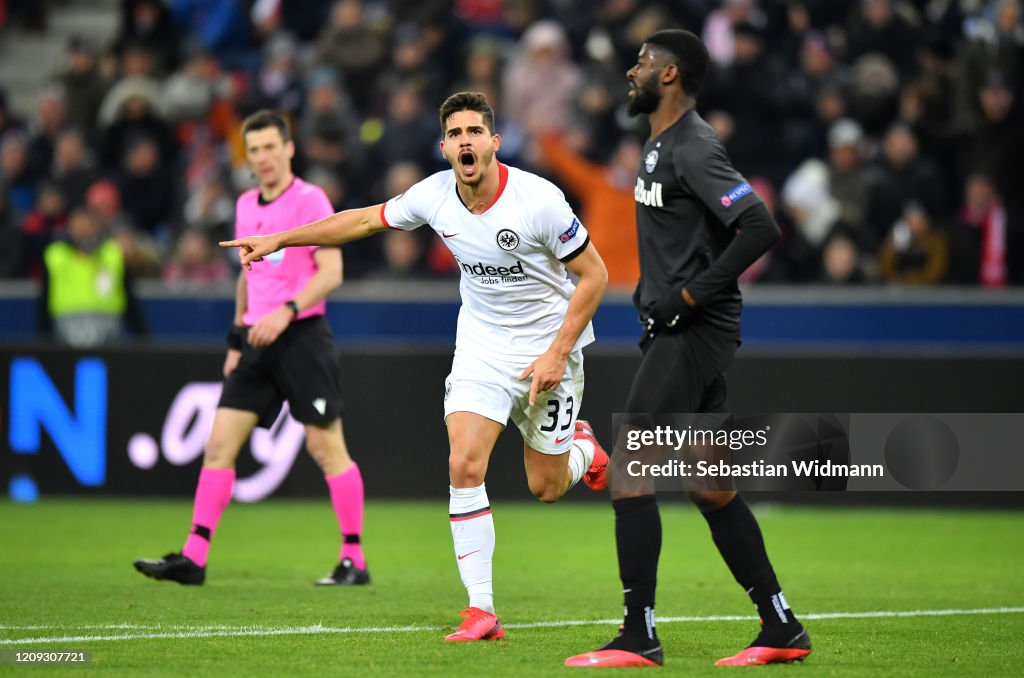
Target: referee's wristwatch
{"points": [[294, 307]]}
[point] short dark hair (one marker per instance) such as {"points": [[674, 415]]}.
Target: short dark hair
{"points": [[690, 55], [265, 118], [467, 101]]}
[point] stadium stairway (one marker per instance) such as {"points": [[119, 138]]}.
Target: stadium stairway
{"points": [[27, 60]]}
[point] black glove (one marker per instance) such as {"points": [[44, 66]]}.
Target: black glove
{"points": [[671, 312]]}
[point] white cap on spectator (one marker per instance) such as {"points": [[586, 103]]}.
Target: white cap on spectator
{"points": [[845, 132], [545, 34]]}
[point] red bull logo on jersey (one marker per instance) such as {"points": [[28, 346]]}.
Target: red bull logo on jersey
{"points": [[735, 194], [650, 197]]}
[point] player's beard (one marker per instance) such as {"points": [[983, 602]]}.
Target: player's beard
{"points": [[645, 98]]}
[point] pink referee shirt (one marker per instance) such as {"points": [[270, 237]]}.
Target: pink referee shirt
{"points": [[283, 274]]}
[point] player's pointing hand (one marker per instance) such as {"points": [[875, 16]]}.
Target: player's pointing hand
{"points": [[253, 248], [547, 372]]}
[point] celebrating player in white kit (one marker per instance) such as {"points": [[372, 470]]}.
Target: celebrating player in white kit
{"points": [[521, 328]]}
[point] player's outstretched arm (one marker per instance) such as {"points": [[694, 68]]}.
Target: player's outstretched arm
{"points": [[548, 369], [336, 229]]}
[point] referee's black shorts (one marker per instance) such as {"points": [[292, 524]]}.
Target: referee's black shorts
{"points": [[684, 371], [300, 367]]}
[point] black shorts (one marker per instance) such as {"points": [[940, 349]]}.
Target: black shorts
{"points": [[300, 367], [683, 371]]}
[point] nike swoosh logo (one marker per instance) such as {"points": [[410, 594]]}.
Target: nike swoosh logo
{"points": [[466, 555], [448, 235], [559, 442]]}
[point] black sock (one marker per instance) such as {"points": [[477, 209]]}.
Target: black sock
{"points": [[638, 541], [738, 538]]}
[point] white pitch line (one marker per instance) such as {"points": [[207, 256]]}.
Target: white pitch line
{"points": [[912, 613], [813, 615], [129, 627], [235, 632], [317, 629]]}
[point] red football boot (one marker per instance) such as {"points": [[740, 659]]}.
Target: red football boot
{"points": [[596, 476], [621, 652], [477, 625], [772, 650]]}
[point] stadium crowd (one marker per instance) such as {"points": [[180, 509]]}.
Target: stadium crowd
{"points": [[885, 135]]}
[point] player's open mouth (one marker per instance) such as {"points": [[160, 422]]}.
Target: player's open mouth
{"points": [[468, 163]]}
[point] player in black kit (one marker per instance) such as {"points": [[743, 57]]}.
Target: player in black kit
{"points": [[700, 226]]}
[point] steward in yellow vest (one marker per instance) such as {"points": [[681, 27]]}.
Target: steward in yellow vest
{"points": [[86, 292]]}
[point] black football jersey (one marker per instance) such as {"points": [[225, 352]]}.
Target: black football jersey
{"points": [[688, 196]]}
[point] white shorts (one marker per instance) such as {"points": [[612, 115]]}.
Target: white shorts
{"points": [[492, 389]]}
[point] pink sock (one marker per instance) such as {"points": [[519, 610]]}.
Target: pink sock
{"points": [[347, 498], [213, 494]]}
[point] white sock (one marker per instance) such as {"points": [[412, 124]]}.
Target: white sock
{"points": [[469, 514], [581, 456]]}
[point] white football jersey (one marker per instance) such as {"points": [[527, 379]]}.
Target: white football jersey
{"points": [[515, 288]]}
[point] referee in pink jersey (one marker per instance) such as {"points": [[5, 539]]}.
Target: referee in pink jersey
{"points": [[280, 347]]}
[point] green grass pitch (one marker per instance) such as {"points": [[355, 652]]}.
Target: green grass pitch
{"points": [[66, 579]]}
